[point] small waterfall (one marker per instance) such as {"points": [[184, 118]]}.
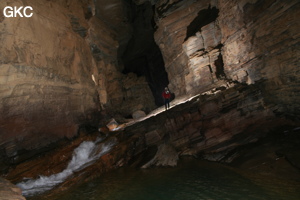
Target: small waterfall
{"points": [[84, 155]]}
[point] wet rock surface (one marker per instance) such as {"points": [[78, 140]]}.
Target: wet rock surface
{"points": [[194, 128]]}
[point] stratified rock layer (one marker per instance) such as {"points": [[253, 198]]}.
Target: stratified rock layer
{"points": [[46, 71], [204, 42], [58, 69], [213, 125]]}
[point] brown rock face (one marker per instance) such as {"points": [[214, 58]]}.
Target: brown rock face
{"points": [[210, 44], [109, 35], [10, 191], [58, 68], [212, 126], [46, 75], [204, 42]]}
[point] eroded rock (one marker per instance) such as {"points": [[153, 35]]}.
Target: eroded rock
{"points": [[165, 156]]}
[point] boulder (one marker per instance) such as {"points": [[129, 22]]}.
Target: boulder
{"points": [[112, 125], [138, 114]]}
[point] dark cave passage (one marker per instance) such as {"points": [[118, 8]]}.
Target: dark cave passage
{"points": [[220, 74], [142, 56]]}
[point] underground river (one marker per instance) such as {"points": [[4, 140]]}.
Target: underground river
{"points": [[190, 180]]}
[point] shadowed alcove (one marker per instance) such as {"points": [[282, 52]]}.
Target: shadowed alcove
{"points": [[142, 56]]}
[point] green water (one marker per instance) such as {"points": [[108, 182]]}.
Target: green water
{"points": [[191, 180]]}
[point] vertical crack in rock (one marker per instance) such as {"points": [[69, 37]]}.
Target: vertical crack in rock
{"points": [[220, 67], [204, 17], [210, 69]]}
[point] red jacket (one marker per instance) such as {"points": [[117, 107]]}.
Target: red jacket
{"points": [[166, 95]]}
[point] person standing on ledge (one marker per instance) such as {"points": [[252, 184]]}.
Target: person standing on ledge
{"points": [[167, 96]]}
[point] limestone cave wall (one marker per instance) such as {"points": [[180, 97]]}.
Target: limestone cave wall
{"points": [[46, 75], [59, 69], [63, 67], [206, 44]]}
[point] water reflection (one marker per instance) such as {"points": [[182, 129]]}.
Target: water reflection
{"points": [[191, 180]]}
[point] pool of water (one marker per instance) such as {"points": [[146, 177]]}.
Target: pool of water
{"points": [[191, 180]]}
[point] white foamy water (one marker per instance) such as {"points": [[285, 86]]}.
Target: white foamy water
{"points": [[83, 156]]}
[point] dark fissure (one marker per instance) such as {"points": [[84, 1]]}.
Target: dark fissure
{"points": [[220, 67], [142, 56]]}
